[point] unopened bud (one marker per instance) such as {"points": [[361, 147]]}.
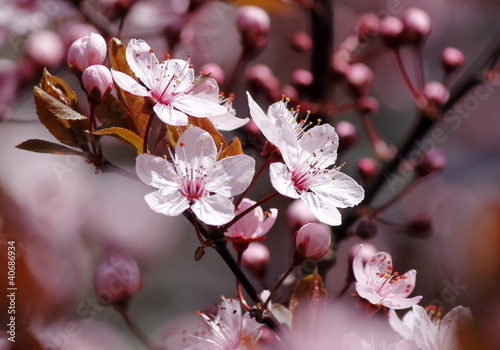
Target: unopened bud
{"points": [[260, 78], [367, 105], [301, 42], [435, 93], [366, 229], [433, 160], [367, 168], [97, 81], [359, 78], [312, 242], [85, 52], [302, 79], [452, 59], [340, 63], [367, 26], [391, 31], [298, 214], [45, 48], [255, 258], [253, 23], [417, 25], [420, 226], [348, 135], [117, 279], [215, 72]]}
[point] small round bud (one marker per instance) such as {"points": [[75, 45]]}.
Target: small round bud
{"points": [[215, 72], [97, 81], [348, 135], [366, 229], [312, 241], [451, 59], [86, 51], [417, 25], [117, 279], [253, 23], [359, 78], [420, 226], [435, 93], [302, 79], [255, 258], [260, 78], [367, 105], [367, 26], [298, 214], [367, 167], [340, 63], [433, 160], [45, 48], [391, 31], [301, 42]]}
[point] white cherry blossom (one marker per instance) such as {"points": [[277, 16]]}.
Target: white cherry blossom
{"points": [[377, 282], [169, 83], [196, 179]]}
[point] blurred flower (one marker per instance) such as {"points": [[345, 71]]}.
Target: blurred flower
{"points": [[228, 330], [380, 285], [252, 227], [169, 83], [427, 329], [196, 180], [45, 48]]}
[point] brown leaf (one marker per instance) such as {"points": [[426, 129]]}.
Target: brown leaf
{"points": [[125, 135], [207, 125], [57, 88], [112, 112], [42, 146], [138, 120], [64, 123], [234, 148], [308, 304]]}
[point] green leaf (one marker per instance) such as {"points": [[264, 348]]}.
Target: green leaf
{"points": [[65, 124], [125, 135], [138, 120], [57, 88], [42, 146]]}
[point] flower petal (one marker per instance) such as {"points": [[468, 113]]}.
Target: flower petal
{"points": [[198, 107], [169, 115], [228, 122], [232, 175], [168, 201], [324, 139], [358, 268], [129, 84], [323, 208], [142, 62], [367, 292], [401, 303], [281, 180], [337, 190], [399, 326], [155, 171], [263, 122], [214, 210]]}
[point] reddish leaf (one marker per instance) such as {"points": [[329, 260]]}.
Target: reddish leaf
{"points": [[42, 146], [57, 88], [125, 135]]}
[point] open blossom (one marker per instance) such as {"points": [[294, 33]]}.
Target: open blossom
{"points": [[196, 179], [228, 330], [169, 83], [427, 329], [307, 173], [253, 226], [380, 285]]}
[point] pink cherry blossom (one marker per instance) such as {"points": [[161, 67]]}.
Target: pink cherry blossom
{"points": [[228, 330], [196, 179], [427, 329], [253, 226], [169, 83], [377, 282]]}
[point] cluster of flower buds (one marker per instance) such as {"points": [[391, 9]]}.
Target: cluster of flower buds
{"points": [[413, 28]]}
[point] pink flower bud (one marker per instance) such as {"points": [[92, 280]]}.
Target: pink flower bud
{"points": [[435, 93], [298, 214], [255, 258], [348, 135], [45, 48], [366, 229], [391, 31], [420, 226], [433, 160], [260, 78], [301, 79], [359, 78], [97, 81], [117, 279], [253, 23], [417, 25], [215, 72], [452, 59], [312, 241], [86, 51], [367, 167], [367, 26], [367, 105], [301, 42]]}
